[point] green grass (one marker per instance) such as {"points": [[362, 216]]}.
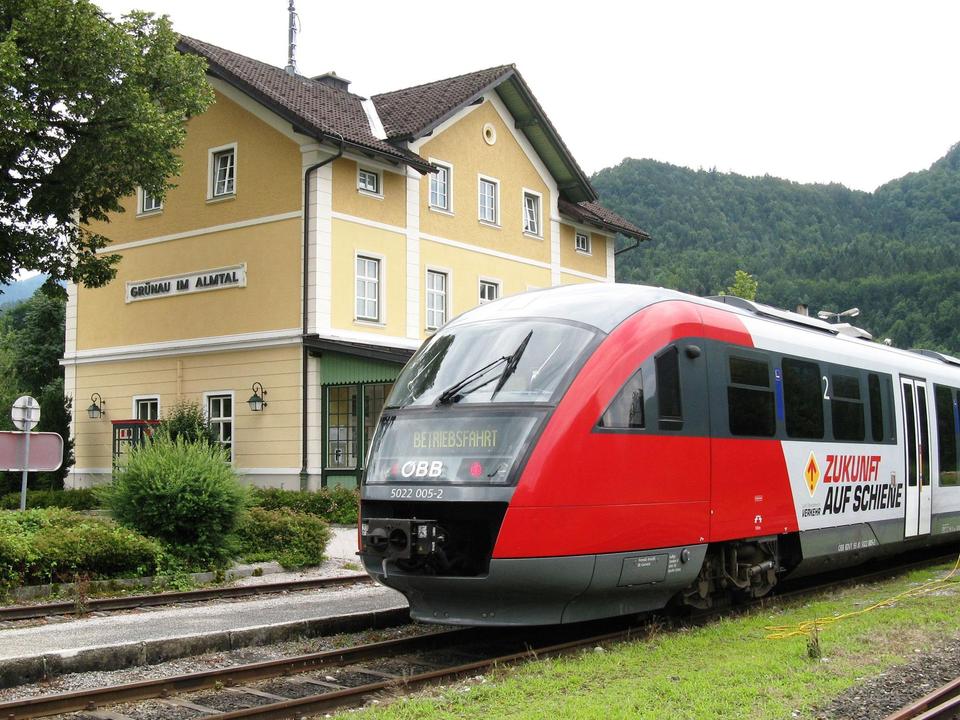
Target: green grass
{"points": [[727, 669]]}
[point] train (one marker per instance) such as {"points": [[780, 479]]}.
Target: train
{"points": [[599, 450]]}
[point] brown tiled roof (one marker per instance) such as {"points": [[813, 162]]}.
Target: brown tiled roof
{"points": [[408, 112], [311, 106], [594, 213]]}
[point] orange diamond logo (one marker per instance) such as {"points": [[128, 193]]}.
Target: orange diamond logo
{"points": [[811, 473]]}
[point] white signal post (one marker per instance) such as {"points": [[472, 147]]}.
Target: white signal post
{"points": [[26, 415]]}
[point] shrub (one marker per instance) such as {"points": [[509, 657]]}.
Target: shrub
{"points": [[335, 505], [84, 499], [186, 420], [184, 494], [54, 545], [293, 539]]}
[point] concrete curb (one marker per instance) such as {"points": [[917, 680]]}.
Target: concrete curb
{"points": [[19, 671]]}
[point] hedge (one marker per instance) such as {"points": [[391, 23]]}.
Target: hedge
{"points": [[294, 539], [56, 545], [335, 505], [70, 499]]}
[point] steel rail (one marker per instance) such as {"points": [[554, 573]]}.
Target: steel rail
{"points": [[352, 696], [942, 703], [128, 602], [45, 706], [89, 700]]}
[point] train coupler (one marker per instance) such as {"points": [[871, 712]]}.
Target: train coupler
{"points": [[400, 539]]}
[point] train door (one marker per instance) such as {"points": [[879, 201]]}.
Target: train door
{"points": [[916, 444]]}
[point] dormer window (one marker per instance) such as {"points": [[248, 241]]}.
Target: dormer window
{"points": [[368, 181]]}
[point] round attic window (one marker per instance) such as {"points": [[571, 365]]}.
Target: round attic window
{"points": [[489, 134]]}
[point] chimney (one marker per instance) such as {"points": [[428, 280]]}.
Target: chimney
{"points": [[803, 309], [291, 67], [331, 79]]}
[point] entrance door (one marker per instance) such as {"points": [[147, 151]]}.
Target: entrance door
{"points": [[915, 421], [351, 414]]}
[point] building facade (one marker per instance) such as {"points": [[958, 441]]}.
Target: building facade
{"points": [[313, 240]]}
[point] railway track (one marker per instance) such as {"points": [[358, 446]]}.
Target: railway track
{"points": [[130, 602], [942, 704], [333, 679]]}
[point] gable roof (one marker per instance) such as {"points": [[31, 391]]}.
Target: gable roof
{"points": [[330, 113], [416, 111], [593, 213], [312, 107]]}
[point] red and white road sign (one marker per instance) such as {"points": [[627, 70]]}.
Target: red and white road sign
{"points": [[46, 451]]}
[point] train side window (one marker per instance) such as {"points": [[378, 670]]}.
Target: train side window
{"points": [[803, 399], [947, 422], [626, 410], [876, 408], [668, 389], [924, 436], [846, 408], [750, 399]]}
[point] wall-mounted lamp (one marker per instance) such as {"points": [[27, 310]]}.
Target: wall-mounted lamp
{"points": [[95, 411], [256, 401]]}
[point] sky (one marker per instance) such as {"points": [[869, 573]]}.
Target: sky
{"points": [[841, 91]]}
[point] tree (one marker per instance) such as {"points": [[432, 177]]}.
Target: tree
{"points": [[91, 109], [744, 286], [31, 345]]}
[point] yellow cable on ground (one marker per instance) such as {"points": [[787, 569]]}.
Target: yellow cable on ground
{"points": [[809, 627]]}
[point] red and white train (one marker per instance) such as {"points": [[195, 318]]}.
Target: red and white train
{"points": [[599, 450]]}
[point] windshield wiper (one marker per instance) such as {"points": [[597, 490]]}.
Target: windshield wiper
{"points": [[453, 394], [456, 391], [512, 363]]}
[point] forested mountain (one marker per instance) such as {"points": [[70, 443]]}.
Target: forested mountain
{"points": [[894, 253]]}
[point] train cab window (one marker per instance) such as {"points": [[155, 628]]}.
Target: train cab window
{"points": [[626, 410], [750, 399], [846, 408], [668, 389], [802, 399], [948, 426], [924, 436]]}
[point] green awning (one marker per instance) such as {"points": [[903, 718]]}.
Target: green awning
{"points": [[342, 369]]}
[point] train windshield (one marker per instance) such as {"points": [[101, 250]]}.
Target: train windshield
{"points": [[505, 361]]}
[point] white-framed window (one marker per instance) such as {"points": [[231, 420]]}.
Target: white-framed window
{"points": [[220, 417], [146, 407], [223, 172], [369, 181], [368, 288], [489, 291], [531, 213], [436, 298], [441, 187], [489, 200], [148, 203], [582, 243]]}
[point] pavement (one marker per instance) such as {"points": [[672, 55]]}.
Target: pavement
{"points": [[150, 636]]}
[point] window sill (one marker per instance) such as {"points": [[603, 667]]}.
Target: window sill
{"points": [[487, 223], [367, 193], [584, 252], [440, 210], [366, 322], [149, 213], [221, 198], [532, 236]]}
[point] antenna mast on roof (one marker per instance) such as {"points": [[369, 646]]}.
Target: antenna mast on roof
{"points": [[291, 67]]}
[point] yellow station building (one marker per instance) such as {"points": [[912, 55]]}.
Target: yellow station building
{"points": [[313, 240]]}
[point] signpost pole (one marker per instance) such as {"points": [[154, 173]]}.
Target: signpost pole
{"points": [[26, 464], [25, 414]]}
